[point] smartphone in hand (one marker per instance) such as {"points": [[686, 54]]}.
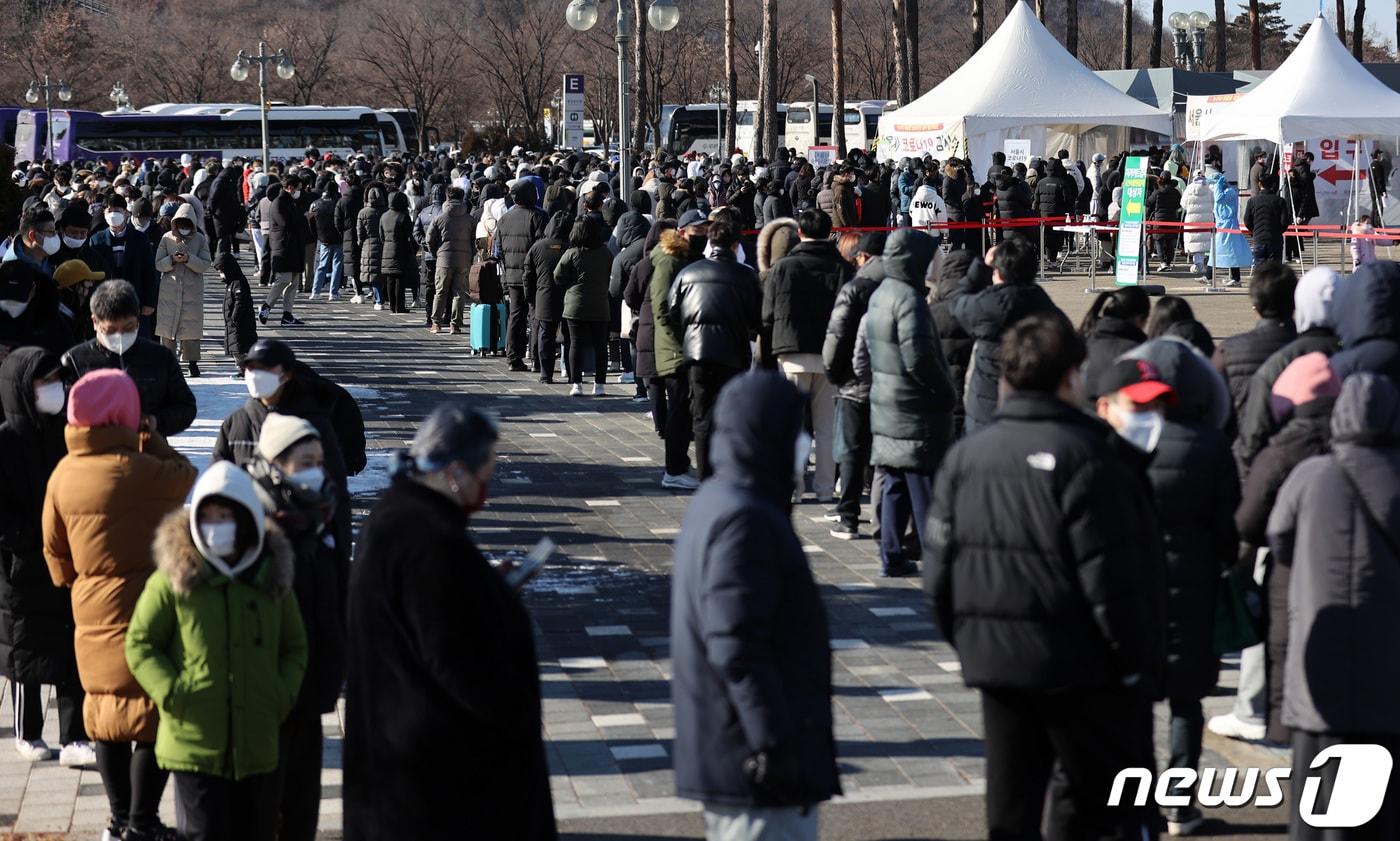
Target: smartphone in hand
{"points": [[533, 563]]}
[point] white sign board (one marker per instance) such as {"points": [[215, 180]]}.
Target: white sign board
{"points": [[1200, 107], [1017, 152], [820, 156], [573, 110]]}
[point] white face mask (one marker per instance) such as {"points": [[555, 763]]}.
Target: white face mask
{"points": [[73, 242], [296, 194], [184, 231], [220, 539], [309, 479], [141, 224], [1141, 429], [801, 452], [118, 343], [115, 218], [49, 398], [261, 384], [14, 309], [51, 244]]}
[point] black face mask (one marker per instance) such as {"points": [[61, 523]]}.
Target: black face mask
{"points": [[697, 243]]}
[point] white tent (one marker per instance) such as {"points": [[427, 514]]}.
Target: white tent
{"points": [[1320, 91], [1022, 84]]}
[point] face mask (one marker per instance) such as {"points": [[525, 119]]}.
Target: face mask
{"points": [[221, 539], [48, 399], [141, 224], [14, 309], [262, 384], [118, 343], [310, 479], [1141, 429], [73, 242], [115, 218], [296, 194], [51, 244], [801, 451], [184, 230]]}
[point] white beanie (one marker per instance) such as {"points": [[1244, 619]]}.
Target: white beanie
{"points": [[280, 432]]}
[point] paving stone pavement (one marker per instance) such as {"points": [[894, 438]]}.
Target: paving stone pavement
{"points": [[585, 472]]}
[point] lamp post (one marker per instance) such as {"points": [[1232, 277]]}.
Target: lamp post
{"points": [[286, 69], [816, 112], [1189, 38], [663, 15], [119, 98], [48, 88]]}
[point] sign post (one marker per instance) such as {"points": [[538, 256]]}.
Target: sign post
{"points": [[1131, 207], [573, 110], [820, 156], [1017, 152]]}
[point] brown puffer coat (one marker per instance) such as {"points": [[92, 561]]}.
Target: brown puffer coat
{"points": [[104, 501]]}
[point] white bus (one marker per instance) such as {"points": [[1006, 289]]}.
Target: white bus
{"points": [[700, 127], [859, 122]]}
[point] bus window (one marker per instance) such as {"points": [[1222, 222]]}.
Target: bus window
{"points": [[798, 116]]}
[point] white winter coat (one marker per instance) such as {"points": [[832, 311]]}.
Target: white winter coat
{"points": [[1198, 203]]}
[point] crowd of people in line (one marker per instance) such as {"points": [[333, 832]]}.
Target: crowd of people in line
{"points": [[1098, 511]]}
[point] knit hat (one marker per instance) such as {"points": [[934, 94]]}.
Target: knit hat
{"points": [[105, 397], [281, 432], [1306, 379]]}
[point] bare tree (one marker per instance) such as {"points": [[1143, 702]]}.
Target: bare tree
{"points": [[312, 44], [1072, 26], [639, 87], [516, 46], [1128, 33], [901, 52], [1221, 45], [731, 79], [868, 58], [838, 79], [1256, 60], [394, 64], [911, 35], [1040, 10], [768, 94], [1358, 30], [1154, 56], [977, 24], [1342, 20]]}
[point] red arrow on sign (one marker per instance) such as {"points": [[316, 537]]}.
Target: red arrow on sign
{"points": [[1336, 173]]}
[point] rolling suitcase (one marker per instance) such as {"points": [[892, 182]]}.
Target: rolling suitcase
{"points": [[488, 329]]}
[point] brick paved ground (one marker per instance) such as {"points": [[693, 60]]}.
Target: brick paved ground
{"points": [[584, 472]]}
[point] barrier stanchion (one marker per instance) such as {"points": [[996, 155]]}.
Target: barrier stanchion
{"points": [[1315, 244], [1041, 226]]}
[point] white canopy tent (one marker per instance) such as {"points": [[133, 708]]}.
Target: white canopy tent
{"points": [[1022, 84], [1319, 91]]}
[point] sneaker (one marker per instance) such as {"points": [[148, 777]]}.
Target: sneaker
{"points": [[575, 390], [194, 370], [1233, 284], [900, 570], [455, 330], [683, 482], [35, 751], [357, 299], [628, 378], [1231, 727], [832, 516], [519, 367], [1195, 269], [332, 297], [640, 398], [160, 833], [1163, 267], [434, 329], [378, 307], [262, 313], [77, 755], [841, 531], [289, 321], [599, 390], [1183, 820], [113, 831]]}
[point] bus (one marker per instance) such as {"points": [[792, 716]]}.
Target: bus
{"points": [[870, 111], [208, 131], [700, 127], [856, 124]]}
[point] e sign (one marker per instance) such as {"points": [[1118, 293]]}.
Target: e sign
{"points": [[572, 102]]}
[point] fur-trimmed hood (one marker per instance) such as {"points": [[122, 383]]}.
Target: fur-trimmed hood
{"points": [[775, 240], [675, 243], [177, 557]]}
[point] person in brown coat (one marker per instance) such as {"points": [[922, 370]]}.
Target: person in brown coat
{"points": [[104, 501]]}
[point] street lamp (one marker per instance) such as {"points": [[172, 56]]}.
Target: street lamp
{"points": [[119, 97], [663, 15], [48, 88], [816, 112], [286, 69], [1189, 38]]}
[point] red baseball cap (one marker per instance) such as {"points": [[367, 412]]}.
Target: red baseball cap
{"points": [[1138, 379]]}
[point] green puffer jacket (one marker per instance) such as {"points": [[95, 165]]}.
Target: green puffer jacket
{"points": [[209, 649], [671, 254], [583, 275]]}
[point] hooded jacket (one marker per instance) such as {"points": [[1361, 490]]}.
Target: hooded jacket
{"points": [[451, 237], [635, 294], [240, 321], [838, 349], [347, 210], [180, 313], [1334, 525], [103, 503], [518, 229], [368, 240], [36, 618], [42, 324], [957, 343], [673, 252], [288, 232], [221, 655], [1240, 356], [226, 201], [400, 254], [799, 294], [540, 263], [715, 307], [1367, 313], [583, 272], [1199, 207], [911, 391], [750, 656]]}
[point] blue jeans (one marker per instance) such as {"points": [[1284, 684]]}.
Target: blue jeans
{"points": [[330, 260], [907, 494]]}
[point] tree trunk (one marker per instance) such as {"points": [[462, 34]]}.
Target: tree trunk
{"points": [[977, 24], [731, 81], [911, 34], [1255, 59], [838, 80], [639, 80], [1154, 51], [768, 77], [1222, 48], [1040, 10], [1358, 29], [901, 53], [1342, 20], [1072, 27], [1127, 34]]}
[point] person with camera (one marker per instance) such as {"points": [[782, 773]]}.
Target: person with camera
{"points": [[182, 257]]}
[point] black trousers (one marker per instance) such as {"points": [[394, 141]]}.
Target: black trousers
{"points": [[225, 244], [430, 291], [1306, 746], [28, 702], [588, 337], [212, 808], [1084, 737], [134, 782], [678, 428], [706, 380], [517, 325], [395, 285], [660, 405], [299, 775], [853, 418], [547, 346]]}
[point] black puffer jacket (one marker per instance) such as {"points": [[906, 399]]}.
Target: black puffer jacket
{"points": [[1164, 205], [1267, 216], [1109, 339], [287, 231], [1013, 197], [538, 273], [957, 343], [240, 321], [799, 294], [1256, 419], [517, 231], [1040, 562], [715, 307], [367, 237], [36, 618], [323, 211], [838, 350], [156, 371], [635, 294], [399, 256], [42, 324], [1054, 193], [347, 210], [1239, 357], [911, 391], [225, 205], [985, 311]]}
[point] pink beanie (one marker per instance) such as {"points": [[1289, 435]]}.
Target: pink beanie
{"points": [[106, 397], [1304, 380]]}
